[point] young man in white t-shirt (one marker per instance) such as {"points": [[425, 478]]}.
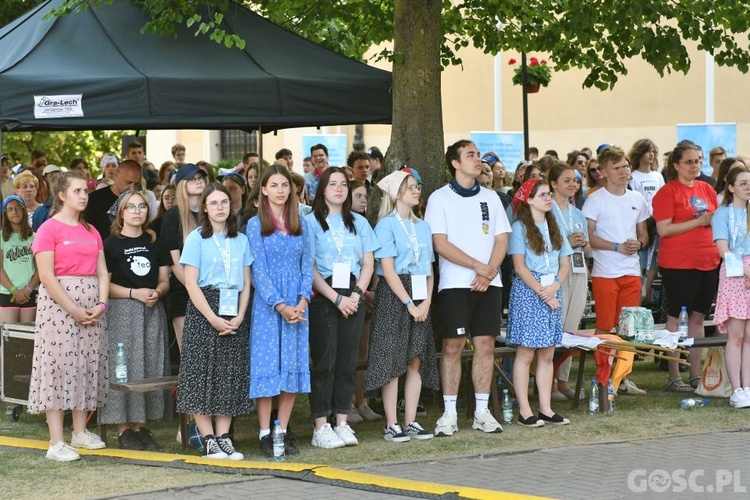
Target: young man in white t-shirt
{"points": [[646, 181], [470, 234], [617, 231]]}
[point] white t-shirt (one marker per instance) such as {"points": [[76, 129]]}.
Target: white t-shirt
{"points": [[616, 218], [646, 183], [471, 224]]}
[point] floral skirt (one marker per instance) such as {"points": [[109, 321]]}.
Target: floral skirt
{"points": [[531, 322]]}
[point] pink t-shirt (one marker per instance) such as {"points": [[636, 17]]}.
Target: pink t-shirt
{"points": [[76, 249]]}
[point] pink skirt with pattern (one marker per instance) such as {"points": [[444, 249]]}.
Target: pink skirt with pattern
{"points": [[733, 298], [69, 370]]}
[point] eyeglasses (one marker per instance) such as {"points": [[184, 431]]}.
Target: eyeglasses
{"points": [[13, 210], [335, 186], [691, 162], [132, 208], [415, 187], [595, 169], [216, 204], [581, 162], [744, 185], [544, 196], [198, 178]]}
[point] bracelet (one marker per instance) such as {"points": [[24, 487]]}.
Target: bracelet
{"points": [[130, 293], [408, 303], [358, 290], [305, 299], [558, 280], [617, 245], [102, 305], [338, 300], [12, 289]]}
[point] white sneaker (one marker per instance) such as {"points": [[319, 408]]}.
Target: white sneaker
{"points": [[485, 422], [446, 425], [739, 399], [415, 431], [394, 434], [87, 440], [61, 452], [629, 388], [346, 434], [327, 439]]}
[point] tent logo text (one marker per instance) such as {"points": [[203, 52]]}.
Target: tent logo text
{"points": [[58, 106]]}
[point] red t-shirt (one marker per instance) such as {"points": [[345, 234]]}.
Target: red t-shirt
{"points": [[694, 249]]}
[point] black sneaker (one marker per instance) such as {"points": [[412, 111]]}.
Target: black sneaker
{"points": [[147, 438], [129, 440], [415, 431], [225, 443], [212, 449], [266, 446], [289, 447]]}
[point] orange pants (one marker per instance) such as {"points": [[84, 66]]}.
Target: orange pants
{"points": [[611, 295]]}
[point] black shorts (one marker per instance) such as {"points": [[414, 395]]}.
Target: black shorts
{"points": [[6, 303], [464, 312], [694, 289], [177, 299]]}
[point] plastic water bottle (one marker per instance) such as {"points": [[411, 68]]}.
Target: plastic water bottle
{"points": [[507, 408], [594, 399], [682, 324], [611, 394], [279, 454], [121, 364], [688, 403]]}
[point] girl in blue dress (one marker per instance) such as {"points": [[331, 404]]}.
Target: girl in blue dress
{"points": [[282, 271], [343, 245], [540, 259]]}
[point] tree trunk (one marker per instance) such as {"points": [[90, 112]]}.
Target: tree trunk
{"points": [[417, 130]]}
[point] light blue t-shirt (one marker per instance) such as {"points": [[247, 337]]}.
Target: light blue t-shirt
{"points": [[353, 248], [571, 220], [395, 243], [206, 256], [536, 262], [720, 223]]}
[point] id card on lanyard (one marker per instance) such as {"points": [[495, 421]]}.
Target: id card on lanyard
{"points": [[418, 281], [577, 260], [733, 261], [229, 298], [341, 270], [548, 278]]}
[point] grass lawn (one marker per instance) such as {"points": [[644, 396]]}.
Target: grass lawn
{"points": [[657, 414]]}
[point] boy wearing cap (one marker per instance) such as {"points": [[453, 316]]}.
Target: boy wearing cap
{"points": [[470, 234]]}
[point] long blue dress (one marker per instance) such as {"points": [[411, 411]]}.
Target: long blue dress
{"points": [[282, 272]]}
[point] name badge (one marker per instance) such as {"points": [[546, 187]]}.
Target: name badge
{"points": [[228, 302], [341, 273], [578, 261], [418, 286], [733, 265], [547, 279]]}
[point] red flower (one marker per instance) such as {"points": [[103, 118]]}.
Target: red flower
{"points": [[544, 61], [533, 61], [511, 62]]}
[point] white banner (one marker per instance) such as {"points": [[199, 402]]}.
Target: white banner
{"points": [[57, 106]]}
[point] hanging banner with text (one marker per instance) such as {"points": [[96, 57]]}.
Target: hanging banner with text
{"points": [[508, 146], [336, 144], [708, 136]]}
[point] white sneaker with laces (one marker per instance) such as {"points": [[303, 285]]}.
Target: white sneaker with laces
{"points": [[446, 425], [346, 434], [485, 422], [739, 399], [415, 431], [327, 439], [629, 388], [61, 452], [394, 434], [87, 440], [367, 414], [354, 417]]}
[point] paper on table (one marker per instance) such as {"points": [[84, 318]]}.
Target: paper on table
{"points": [[569, 340], [670, 340]]}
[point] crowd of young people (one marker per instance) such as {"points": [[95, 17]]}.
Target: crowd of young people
{"points": [[302, 277]]}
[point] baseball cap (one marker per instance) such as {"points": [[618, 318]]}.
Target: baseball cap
{"points": [[187, 171], [374, 152], [50, 168], [13, 197]]}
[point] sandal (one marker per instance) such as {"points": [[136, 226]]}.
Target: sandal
{"points": [[696, 379], [677, 385]]}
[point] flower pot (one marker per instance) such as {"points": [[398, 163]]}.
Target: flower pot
{"points": [[532, 89]]}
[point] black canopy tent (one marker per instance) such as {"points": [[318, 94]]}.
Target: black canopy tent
{"points": [[95, 70]]}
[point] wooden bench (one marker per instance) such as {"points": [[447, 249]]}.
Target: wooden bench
{"points": [[149, 385]]}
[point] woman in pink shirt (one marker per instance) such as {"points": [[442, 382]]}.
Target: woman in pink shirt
{"points": [[70, 349]]}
